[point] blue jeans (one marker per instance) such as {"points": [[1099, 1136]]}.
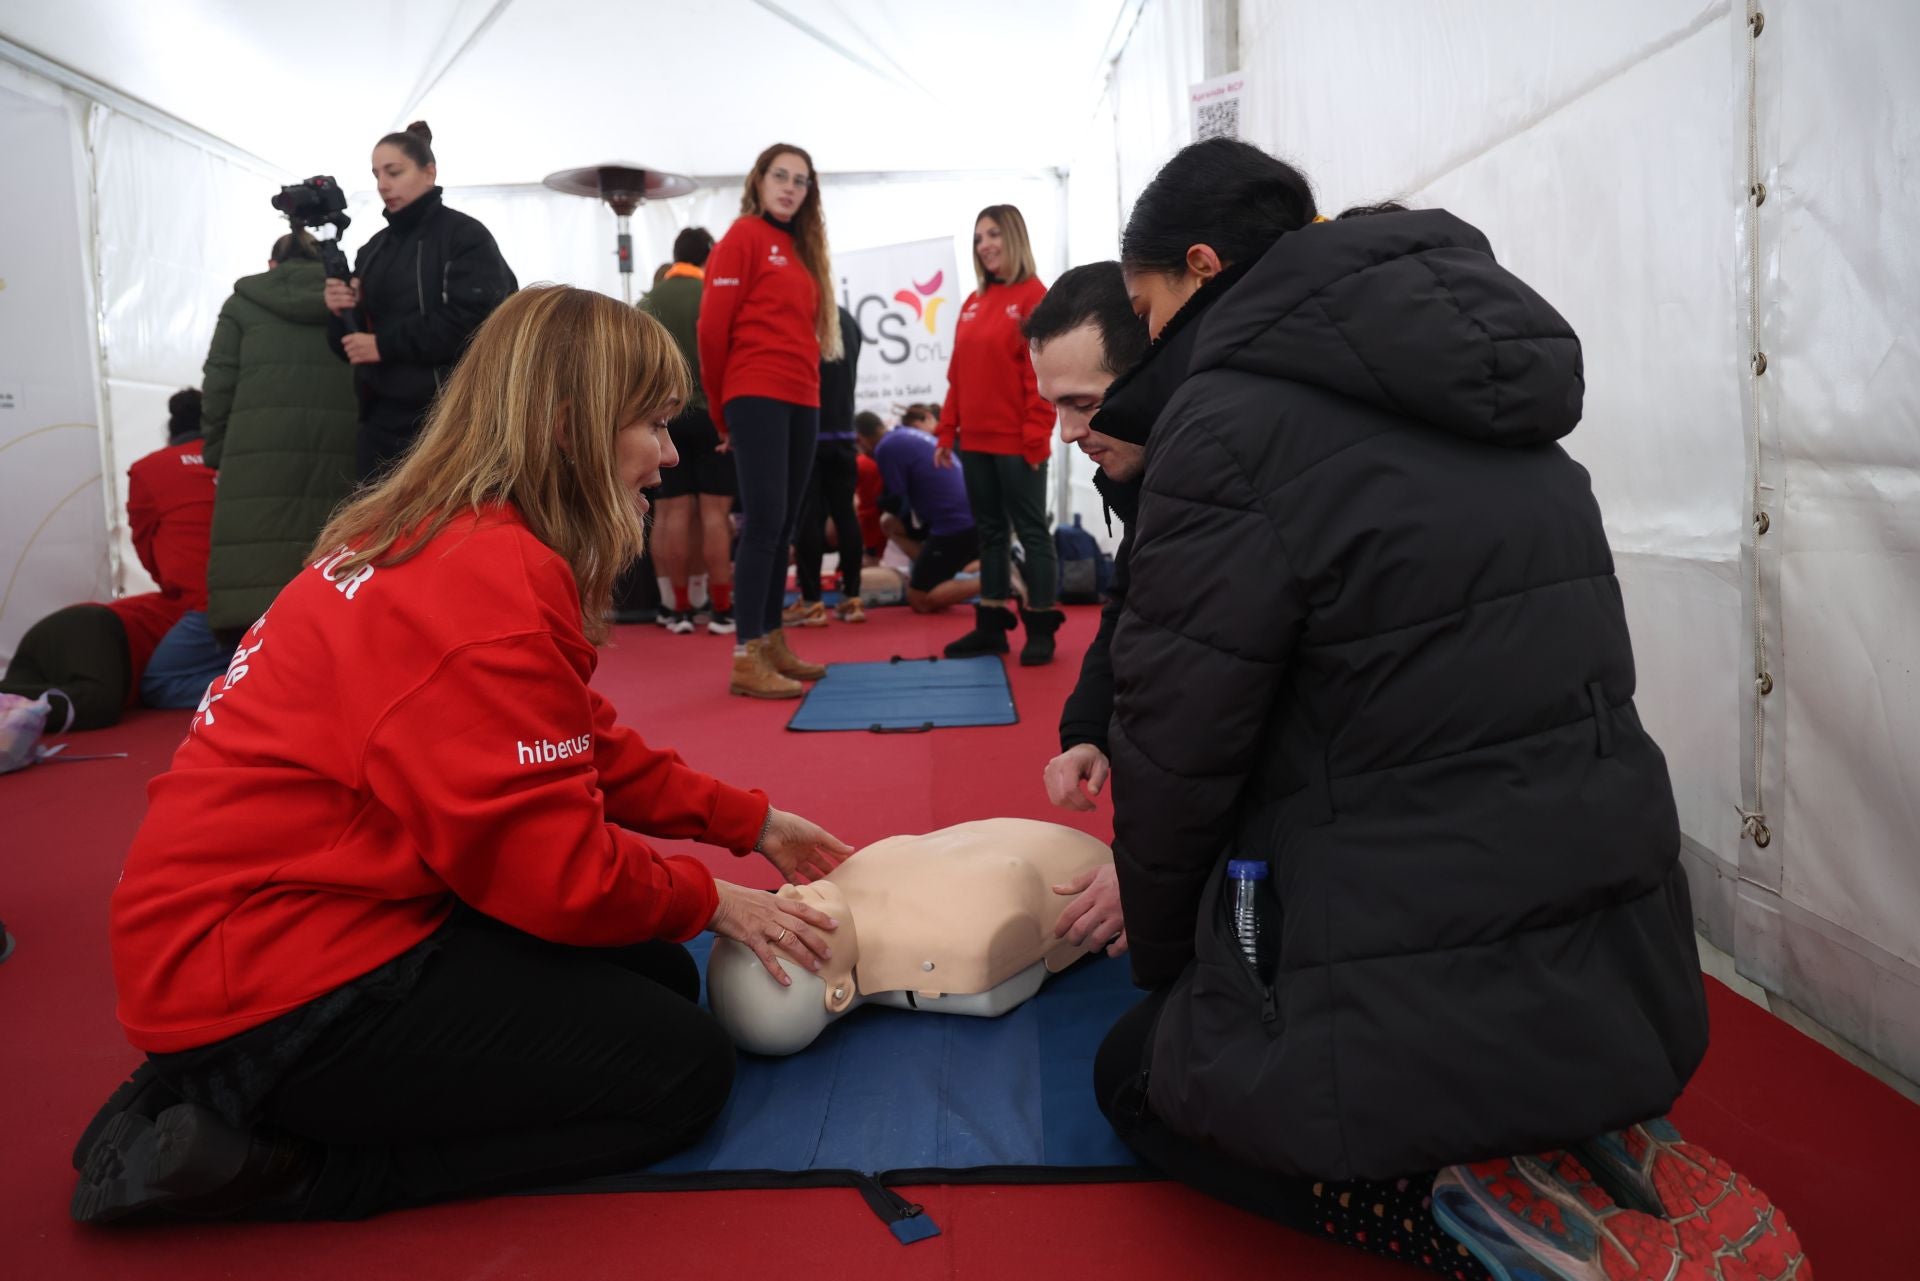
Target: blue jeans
{"points": [[772, 446], [185, 662]]}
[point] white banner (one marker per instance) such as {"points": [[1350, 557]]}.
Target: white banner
{"points": [[906, 299], [53, 533]]}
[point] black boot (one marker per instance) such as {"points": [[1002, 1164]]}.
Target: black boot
{"points": [[190, 1162], [1041, 624], [991, 623], [145, 1093]]}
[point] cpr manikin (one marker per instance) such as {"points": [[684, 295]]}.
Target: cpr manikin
{"points": [[960, 920]]}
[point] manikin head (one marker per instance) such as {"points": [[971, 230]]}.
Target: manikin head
{"points": [[1082, 336]]}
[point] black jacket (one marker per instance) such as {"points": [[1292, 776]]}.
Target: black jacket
{"points": [[1372, 635], [427, 280], [1089, 708], [838, 380]]}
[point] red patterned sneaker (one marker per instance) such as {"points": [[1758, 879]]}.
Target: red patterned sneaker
{"points": [[1544, 1218], [1651, 1167]]}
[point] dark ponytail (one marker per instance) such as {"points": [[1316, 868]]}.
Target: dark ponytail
{"points": [[1221, 192], [416, 140]]}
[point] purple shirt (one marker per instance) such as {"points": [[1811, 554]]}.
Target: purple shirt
{"points": [[937, 495]]}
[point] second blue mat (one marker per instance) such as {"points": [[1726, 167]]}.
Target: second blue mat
{"points": [[908, 696]]}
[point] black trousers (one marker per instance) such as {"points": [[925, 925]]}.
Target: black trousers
{"points": [[80, 651], [513, 1063], [1390, 1219], [772, 444], [836, 472]]}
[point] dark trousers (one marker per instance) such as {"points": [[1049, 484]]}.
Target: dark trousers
{"points": [[1009, 495], [81, 652], [830, 497], [1390, 1219], [513, 1063], [772, 443]]}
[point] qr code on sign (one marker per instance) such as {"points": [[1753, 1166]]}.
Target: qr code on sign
{"points": [[1219, 119]]}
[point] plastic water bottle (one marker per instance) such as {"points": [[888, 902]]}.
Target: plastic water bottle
{"points": [[1249, 917]]}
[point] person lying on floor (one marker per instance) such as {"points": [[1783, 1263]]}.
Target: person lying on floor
{"points": [[1372, 638], [91, 662], [392, 932]]}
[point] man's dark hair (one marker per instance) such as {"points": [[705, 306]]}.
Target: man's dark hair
{"points": [[1091, 295], [1221, 192], [1368, 211], [183, 415], [917, 414], [692, 246], [867, 425]]}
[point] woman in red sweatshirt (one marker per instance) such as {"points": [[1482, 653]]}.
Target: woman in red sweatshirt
{"points": [[392, 931], [767, 320], [994, 415]]}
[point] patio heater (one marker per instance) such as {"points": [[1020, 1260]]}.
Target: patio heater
{"points": [[625, 188]]}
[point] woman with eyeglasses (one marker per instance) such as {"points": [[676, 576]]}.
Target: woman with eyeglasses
{"points": [[767, 320]]}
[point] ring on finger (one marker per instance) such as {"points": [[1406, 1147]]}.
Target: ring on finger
{"points": [[782, 936]]}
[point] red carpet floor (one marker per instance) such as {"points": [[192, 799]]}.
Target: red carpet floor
{"points": [[1833, 1146]]}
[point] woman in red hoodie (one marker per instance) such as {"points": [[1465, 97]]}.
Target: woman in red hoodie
{"points": [[1003, 429], [767, 320], [392, 931]]}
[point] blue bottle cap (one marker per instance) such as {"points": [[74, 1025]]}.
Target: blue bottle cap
{"points": [[1247, 869]]}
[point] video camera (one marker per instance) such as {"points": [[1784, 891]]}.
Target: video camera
{"points": [[319, 202]]}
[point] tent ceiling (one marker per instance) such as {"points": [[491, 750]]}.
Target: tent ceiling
{"points": [[518, 88]]}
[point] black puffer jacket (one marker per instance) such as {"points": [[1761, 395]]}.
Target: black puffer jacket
{"points": [[1372, 635], [426, 282]]}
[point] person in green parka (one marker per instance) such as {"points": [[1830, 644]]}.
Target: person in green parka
{"points": [[280, 418]]}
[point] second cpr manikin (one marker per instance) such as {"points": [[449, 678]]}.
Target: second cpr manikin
{"points": [[959, 920]]}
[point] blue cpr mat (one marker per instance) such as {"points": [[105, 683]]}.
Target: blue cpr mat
{"points": [[895, 1097], [908, 695]]}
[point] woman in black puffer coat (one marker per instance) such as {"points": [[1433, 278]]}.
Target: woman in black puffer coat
{"points": [[1373, 637], [421, 287]]}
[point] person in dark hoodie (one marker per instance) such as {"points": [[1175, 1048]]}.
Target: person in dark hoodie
{"points": [[1372, 637], [830, 491], [279, 424], [420, 288]]}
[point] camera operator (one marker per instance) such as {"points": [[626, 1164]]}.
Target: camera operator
{"points": [[420, 289]]}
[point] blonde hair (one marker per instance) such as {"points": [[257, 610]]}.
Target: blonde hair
{"points": [[1013, 235], [809, 241], [548, 354]]}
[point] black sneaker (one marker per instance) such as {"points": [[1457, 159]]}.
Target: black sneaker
{"points": [[679, 622], [145, 1094], [721, 624]]}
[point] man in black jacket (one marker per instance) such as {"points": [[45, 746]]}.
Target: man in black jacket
{"points": [[1083, 335]]}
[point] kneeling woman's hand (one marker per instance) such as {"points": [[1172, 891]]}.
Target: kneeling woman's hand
{"points": [[802, 851], [772, 927]]}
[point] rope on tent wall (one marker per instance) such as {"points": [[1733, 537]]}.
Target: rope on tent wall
{"points": [[1753, 822]]}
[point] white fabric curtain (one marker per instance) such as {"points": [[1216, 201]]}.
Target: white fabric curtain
{"points": [[53, 531]]}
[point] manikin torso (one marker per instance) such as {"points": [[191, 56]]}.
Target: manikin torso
{"points": [[959, 920]]}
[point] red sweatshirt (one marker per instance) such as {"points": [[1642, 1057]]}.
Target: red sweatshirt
{"points": [[993, 401], [170, 515], [757, 309], [382, 744], [868, 486], [170, 510]]}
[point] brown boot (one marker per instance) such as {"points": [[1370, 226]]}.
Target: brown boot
{"points": [[788, 663], [754, 676]]}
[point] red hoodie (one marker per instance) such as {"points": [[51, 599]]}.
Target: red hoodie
{"points": [[757, 310], [383, 743], [993, 401], [170, 515]]}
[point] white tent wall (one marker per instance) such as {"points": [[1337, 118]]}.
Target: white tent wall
{"points": [[1604, 152], [52, 498], [1829, 912], [178, 224]]}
